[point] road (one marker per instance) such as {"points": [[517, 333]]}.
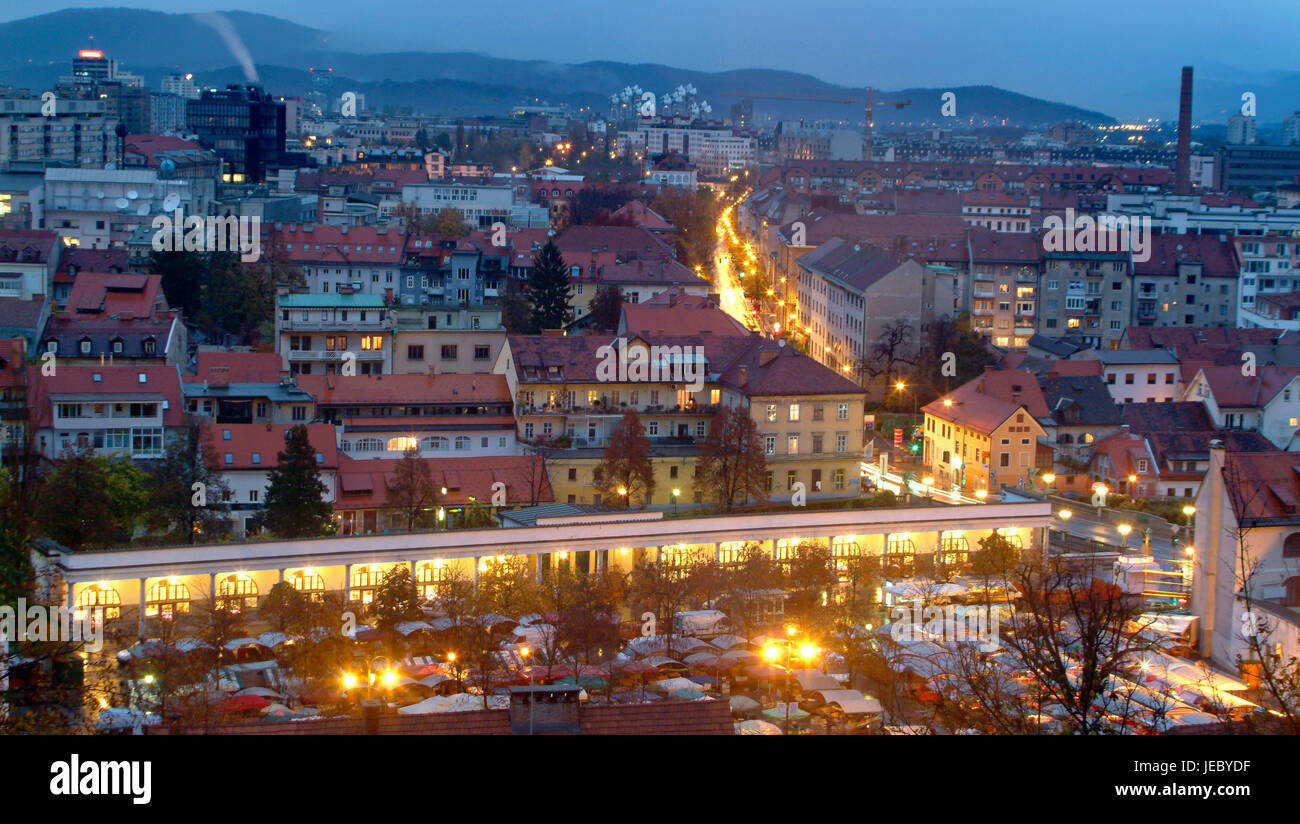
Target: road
{"points": [[731, 295]]}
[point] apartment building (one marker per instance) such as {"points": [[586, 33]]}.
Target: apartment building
{"points": [[318, 333], [1189, 280], [1139, 375], [381, 416], [245, 452], [358, 259], [101, 208], [975, 441], [1085, 297], [480, 203], [997, 211], [28, 260], [1270, 265], [848, 293], [118, 317], [245, 388], [79, 133], [1005, 273], [115, 409], [1267, 402], [452, 339]]}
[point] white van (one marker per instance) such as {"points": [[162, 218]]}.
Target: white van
{"points": [[701, 623]]}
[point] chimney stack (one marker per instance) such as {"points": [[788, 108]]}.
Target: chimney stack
{"points": [[1183, 174]]}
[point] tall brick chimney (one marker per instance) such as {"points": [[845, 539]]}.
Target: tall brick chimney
{"points": [[1183, 173]]}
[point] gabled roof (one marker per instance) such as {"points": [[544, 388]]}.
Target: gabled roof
{"points": [[1233, 390], [857, 266], [1170, 416], [972, 409], [126, 296], [1079, 400], [1016, 386], [771, 370], [318, 243], [1263, 484]]}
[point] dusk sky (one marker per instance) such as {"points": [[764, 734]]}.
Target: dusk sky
{"points": [[1089, 55]]}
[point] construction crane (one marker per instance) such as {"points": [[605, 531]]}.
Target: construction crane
{"points": [[868, 103]]}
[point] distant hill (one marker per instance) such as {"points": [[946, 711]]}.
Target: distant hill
{"points": [[36, 50]]}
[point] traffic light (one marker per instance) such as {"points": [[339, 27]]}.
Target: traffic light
{"points": [[916, 446]]}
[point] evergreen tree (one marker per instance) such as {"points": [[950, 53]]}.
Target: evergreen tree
{"points": [[516, 313], [295, 495], [176, 506], [549, 289], [607, 308], [76, 508]]}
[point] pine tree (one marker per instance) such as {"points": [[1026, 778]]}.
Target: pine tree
{"points": [[295, 496], [175, 505], [607, 308], [549, 290]]}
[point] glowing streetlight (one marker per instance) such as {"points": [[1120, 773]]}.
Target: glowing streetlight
{"points": [[1065, 514]]}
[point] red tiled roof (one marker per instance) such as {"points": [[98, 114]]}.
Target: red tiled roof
{"points": [[27, 245], [117, 379], [681, 318], [972, 409], [98, 294], [364, 483], [1232, 389], [369, 390], [238, 367], [150, 145], [1217, 257], [318, 243], [1263, 484], [267, 441]]}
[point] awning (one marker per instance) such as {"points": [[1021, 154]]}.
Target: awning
{"points": [[851, 702]]}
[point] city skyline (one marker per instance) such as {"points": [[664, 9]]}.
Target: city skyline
{"points": [[931, 44]]}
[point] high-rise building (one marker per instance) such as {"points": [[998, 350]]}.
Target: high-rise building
{"points": [[181, 85], [124, 101], [1241, 130], [91, 65], [166, 114], [244, 125], [1291, 129], [742, 114], [80, 133]]}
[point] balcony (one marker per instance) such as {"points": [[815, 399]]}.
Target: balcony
{"points": [[336, 325], [315, 355], [982, 293]]}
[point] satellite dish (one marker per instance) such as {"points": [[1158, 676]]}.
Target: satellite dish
{"points": [[132, 194], [167, 166], [143, 209], [100, 194], [171, 202], [121, 203]]}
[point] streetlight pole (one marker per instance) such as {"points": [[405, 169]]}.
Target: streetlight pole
{"points": [[525, 652], [676, 494]]}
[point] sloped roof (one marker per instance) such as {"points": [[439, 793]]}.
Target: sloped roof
{"points": [[267, 442], [369, 390], [364, 483], [238, 367], [122, 380], [1263, 484], [1170, 416]]}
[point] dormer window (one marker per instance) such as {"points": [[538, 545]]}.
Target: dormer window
{"points": [[52, 345], [149, 346], [84, 345], [117, 346]]}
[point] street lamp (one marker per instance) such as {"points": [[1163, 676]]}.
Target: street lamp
{"points": [[622, 491], [388, 677], [676, 494], [806, 652], [524, 652], [1049, 479], [928, 482], [1124, 530]]}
